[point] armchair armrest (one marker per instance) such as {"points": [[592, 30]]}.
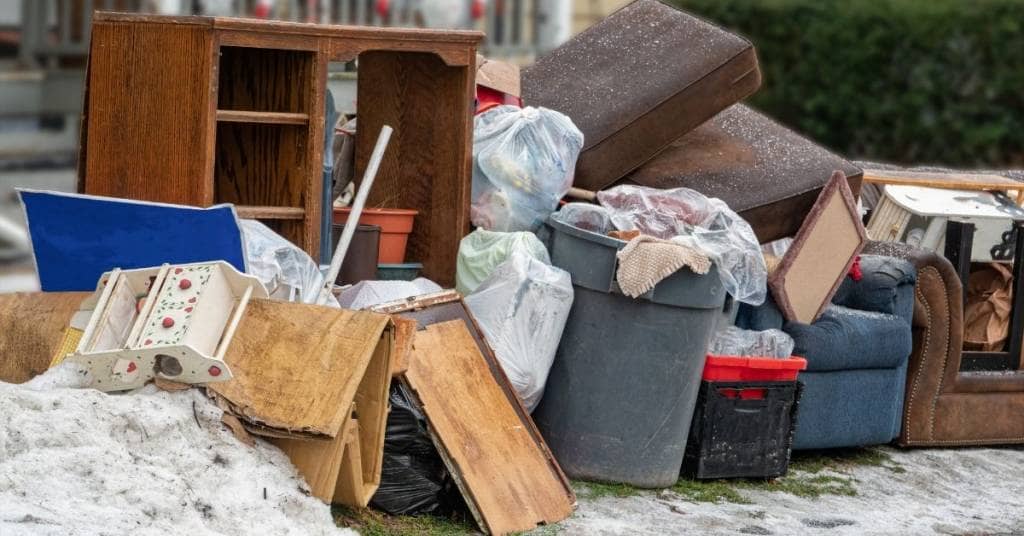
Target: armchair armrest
{"points": [[938, 337]]}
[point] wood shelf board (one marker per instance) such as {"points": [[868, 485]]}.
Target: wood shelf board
{"points": [[273, 118], [270, 213]]}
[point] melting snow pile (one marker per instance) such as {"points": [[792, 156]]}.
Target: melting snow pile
{"points": [[78, 461]]}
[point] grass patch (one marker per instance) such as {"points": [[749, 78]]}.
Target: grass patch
{"points": [[842, 460], [370, 522], [598, 490], [713, 491]]}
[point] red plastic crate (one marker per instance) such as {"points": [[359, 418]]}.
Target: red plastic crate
{"points": [[721, 368]]}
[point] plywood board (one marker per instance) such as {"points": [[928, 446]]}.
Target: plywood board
{"points": [[509, 480], [297, 367], [948, 180], [821, 255], [32, 326]]}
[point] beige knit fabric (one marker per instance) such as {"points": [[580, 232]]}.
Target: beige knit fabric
{"points": [[646, 260]]}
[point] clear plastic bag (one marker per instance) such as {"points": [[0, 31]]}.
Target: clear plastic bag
{"points": [[690, 217], [733, 341], [481, 251], [522, 309], [586, 216], [523, 163], [287, 272], [366, 294]]}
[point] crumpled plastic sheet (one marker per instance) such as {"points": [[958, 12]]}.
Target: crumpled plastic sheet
{"points": [[522, 309], [586, 216], [733, 341], [711, 225], [287, 272], [413, 479], [366, 294], [481, 251], [523, 164]]}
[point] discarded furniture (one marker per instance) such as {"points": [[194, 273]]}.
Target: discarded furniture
{"points": [[174, 322], [32, 328], [314, 381], [648, 351], [199, 110], [918, 216], [767, 173], [821, 254], [856, 357], [77, 238], [489, 443], [952, 180], [953, 398], [636, 81]]}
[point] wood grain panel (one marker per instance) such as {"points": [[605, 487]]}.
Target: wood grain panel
{"points": [[316, 354], [148, 108], [32, 325], [261, 165], [427, 165], [502, 472], [264, 80]]}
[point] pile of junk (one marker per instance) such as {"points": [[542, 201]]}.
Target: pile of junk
{"points": [[602, 267]]}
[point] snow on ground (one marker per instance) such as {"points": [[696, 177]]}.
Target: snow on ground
{"points": [[81, 462], [940, 491]]}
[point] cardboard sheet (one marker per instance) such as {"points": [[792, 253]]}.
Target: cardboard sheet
{"points": [[32, 326], [509, 480], [821, 255], [76, 238]]}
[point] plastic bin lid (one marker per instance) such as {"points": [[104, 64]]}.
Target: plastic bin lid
{"points": [[762, 363]]}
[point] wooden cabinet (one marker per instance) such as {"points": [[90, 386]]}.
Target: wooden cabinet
{"points": [[200, 111]]}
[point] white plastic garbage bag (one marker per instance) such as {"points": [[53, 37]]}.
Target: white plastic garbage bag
{"points": [[481, 251], [707, 222], [523, 163], [366, 294], [287, 272], [522, 309]]}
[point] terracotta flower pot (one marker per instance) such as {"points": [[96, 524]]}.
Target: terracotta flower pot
{"points": [[395, 225]]}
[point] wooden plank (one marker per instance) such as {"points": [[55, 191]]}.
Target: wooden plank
{"points": [[504, 474], [317, 460], [950, 180], [317, 355], [32, 326], [427, 164], [272, 118], [270, 213], [148, 94]]}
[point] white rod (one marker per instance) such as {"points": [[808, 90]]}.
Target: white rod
{"points": [[357, 210]]}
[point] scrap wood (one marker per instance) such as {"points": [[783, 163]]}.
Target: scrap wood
{"points": [[32, 328], [946, 180], [297, 367], [506, 473], [405, 331], [314, 381]]}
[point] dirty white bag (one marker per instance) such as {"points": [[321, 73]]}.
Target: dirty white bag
{"points": [[522, 308], [366, 294], [481, 251], [523, 163]]}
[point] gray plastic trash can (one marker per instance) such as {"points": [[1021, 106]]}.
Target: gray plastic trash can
{"points": [[621, 392]]}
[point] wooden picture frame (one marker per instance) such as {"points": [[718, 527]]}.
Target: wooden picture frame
{"points": [[822, 252]]}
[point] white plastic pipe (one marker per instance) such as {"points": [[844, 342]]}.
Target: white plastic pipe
{"points": [[357, 210]]}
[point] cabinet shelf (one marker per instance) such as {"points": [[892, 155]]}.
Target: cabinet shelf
{"points": [[253, 212], [270, 118]]}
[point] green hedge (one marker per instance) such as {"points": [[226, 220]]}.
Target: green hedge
{"points": [[911, 81]]}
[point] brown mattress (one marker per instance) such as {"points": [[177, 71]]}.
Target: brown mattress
{"points": [[636, 81], [767, 173]]}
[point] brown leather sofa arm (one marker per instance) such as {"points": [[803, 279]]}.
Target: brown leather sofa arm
{"points": [[938, 337]]}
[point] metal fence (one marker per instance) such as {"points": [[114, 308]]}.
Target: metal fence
{"points": [[55, 30]]}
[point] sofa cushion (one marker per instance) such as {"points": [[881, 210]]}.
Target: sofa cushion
{"points": [[846, 339], [885, 287]]}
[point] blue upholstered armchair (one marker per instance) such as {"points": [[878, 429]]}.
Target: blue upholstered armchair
{"points": [[856, 357]]}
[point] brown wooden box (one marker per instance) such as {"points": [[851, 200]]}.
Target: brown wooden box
{"points": [[200, 110]]}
